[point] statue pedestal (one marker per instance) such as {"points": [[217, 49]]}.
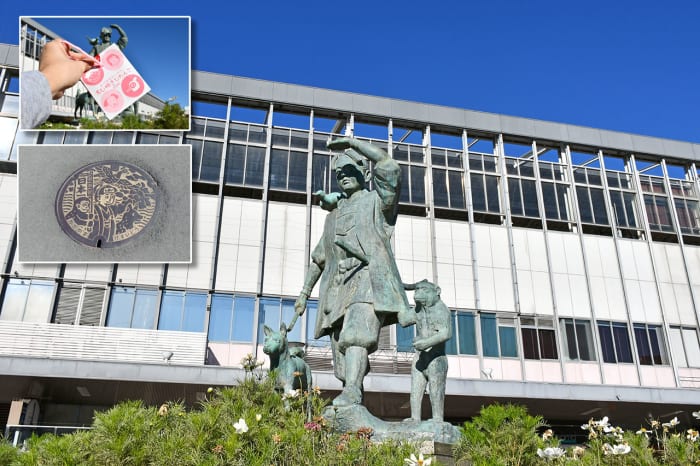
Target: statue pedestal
{"points": [[352, 418]]}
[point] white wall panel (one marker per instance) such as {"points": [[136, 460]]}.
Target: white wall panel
{"points": [[493, 258], [487, 289], [685, 304], [448, 293], [565, 307], [239, 243], [141, 274], [579, 296], [483, 245], [504, 290], [197, 274], [692, 257], [454, 271], [531, 265], [464, 285], [650, 298], [284, 252], [636, 300], [412, 248]]}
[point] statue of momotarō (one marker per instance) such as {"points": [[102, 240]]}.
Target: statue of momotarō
{"points": [[433, 329], [361, 290], [106, 39]]}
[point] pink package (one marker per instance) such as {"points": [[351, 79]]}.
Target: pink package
{"points": [[116, 84]]}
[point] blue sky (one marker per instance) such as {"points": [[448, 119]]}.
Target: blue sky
{"points": [[622, 65], [157, 47]]}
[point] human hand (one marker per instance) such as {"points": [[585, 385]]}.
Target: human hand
{"points": [[339, 143], [300, 304], [63, 67]]}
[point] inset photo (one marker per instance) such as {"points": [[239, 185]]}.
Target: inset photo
{"points": [[111, 73], [108, 203]]}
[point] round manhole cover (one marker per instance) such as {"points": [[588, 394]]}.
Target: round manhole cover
{"points": [[105, 204]]}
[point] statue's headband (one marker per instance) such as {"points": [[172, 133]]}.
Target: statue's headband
{"points": [[349, 157]]}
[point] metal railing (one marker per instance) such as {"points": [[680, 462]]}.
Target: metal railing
{"points": [[18, 434]]}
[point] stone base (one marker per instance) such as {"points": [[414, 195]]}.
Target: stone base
{"points": [[352, 418]]}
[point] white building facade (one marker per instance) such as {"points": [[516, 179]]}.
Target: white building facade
{"points": [[569, 255]]}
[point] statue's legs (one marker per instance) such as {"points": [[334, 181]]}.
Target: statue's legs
{"points": [[418, 383], [357, 339], [437, 378]]}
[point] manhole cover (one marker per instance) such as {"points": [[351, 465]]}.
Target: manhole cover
{"points": [[105, 204]]}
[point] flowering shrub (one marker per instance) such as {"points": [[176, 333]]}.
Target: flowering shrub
{"points": [[507, 435], [247, 424]]}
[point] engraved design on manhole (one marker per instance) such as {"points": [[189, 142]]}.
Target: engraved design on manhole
{"points": [[105, 204]]}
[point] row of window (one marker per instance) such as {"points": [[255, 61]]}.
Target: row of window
{"points": [[232, 319]]}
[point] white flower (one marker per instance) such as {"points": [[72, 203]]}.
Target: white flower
{"points": [[620, 449], [547, 434], [551, 453], [258, 417], [240, 426], [672, 423], [692, 435], [420, 461], [291, 393], [643, 431], [696, 414], [602, 423]]}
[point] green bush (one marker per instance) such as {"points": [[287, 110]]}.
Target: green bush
{"points": [[249, 424], [500, 435]]}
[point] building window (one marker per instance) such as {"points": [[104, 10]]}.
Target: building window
{"points": [[522, 191], [656, 203], [579, 339], [465, 332], [288, 170], [539, 341], [685, 347], [412, 174], [182, 311], [590, 196], [498, 336], [132, 308], [311, 312], [650, 344], [404, 338], [448, 185], [274, 312], [614, 342], [27, 300], [231, 318], [244, 165], [484, 180]]}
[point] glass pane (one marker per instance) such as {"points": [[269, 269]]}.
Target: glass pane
{"points": [[658, 350], [492, 194], [516, 203], [562, 196], [300, 140], [417, 185], [478, 192], [235, 163], [215, 129], [311, 312], [584, 204], [569, 332], [405, 185], [120, 306], [254, 167], [195, 310], [467, 333], [692, 348], [269, 315], [508, 341], [606, 342], [489, 336], [257, 134], [320, 174], [144, 309], [211, 161], [622, 342], [440, 196], [38, 302], [143, 138], [171, 310], [585, 341], [550, 201], [598, 202], [278, 169], [238, 132], [530, 343], [243, 314], [548, 344], [121, 137], [15, 299], [643, 350], [451, 344], [197, 127], [530, 198], [196, 156], [456, 190], [404, 338], [297, 171], [220, 317]]}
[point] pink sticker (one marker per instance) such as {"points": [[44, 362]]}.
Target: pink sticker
{"points": [[93, 76], [133, 85], [112, 60], [113, 102]]}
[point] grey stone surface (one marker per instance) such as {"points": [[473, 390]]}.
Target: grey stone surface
{"points": [[352, 418], [42, 169]]}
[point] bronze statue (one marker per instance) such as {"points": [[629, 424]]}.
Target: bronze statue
{"points": [[361, 290], [433, 329], [106, 39]]}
